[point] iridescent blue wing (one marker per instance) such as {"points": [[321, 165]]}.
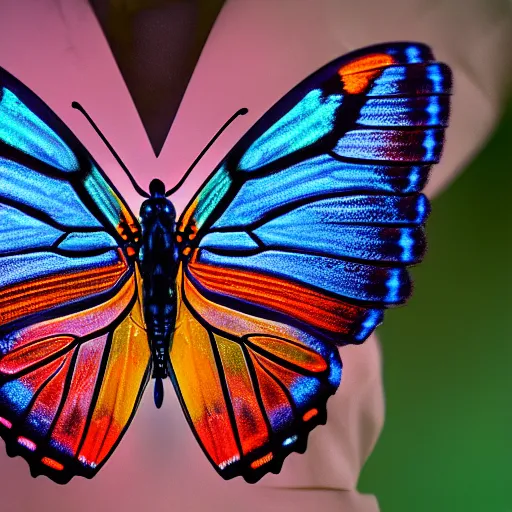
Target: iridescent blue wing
{"points": [[297, 243], [74, 356]]}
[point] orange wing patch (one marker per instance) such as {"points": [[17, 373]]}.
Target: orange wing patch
{"points": [[314, 308], [124, 377], [199, 384], [43, 293], [356, 75]]}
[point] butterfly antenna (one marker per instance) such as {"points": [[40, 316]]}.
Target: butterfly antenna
{"points": [[240, 112], [136, 186]]}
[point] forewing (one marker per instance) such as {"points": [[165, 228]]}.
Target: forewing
{"points": [[324, 191], [297, 243], [74, 356]]}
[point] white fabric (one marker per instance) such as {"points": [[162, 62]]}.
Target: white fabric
{"points": [[257, 51]]}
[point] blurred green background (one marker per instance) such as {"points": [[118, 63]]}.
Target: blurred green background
{"points": [[446, 444]]}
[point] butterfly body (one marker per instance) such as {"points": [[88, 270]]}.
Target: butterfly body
{"points": [[158, 259]]}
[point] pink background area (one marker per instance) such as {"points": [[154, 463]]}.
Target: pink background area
{"points": [[257, 51]]}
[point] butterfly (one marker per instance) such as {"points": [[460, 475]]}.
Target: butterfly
{"points": [[294, 246]]}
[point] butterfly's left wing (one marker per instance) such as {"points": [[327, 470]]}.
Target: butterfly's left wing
{"points": [[297, 243], [74, 356]]}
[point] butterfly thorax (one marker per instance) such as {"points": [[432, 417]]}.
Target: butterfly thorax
{"points": [[158, 258]]}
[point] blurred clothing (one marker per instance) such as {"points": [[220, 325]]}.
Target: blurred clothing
{"points": [[257, 51]]}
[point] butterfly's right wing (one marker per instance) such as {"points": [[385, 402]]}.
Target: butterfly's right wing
{"points": [[297, 243], [74, 355]]}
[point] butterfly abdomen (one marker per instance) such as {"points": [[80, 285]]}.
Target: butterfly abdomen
{"points": [[159, 263]]}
